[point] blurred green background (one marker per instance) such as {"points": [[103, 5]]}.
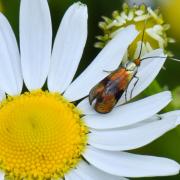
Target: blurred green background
{"points": [[169, 144]]}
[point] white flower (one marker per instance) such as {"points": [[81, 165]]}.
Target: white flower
{"points": [[42, 135], [155, 34]]}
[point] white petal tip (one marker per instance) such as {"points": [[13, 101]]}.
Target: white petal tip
{"points": [[79, 6], [164, 95], [167, 94], [160, 52], [178, 121], [133, 29], [176, 168], [1, 15], [132, 26], [1, 175]]}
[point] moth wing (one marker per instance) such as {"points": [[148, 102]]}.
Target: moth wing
{"points": [[95, 91], [98, 89], [111, 95], [106, 104]]}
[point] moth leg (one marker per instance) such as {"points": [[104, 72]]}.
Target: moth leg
{"points": [[159, 117], [107, 71], [126, 100], [164, 68], [137, 79]]}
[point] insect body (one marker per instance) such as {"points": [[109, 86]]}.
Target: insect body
{"points": [[108, 91]]}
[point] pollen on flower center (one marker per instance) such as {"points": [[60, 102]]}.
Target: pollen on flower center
{"points": [[42, 136]]}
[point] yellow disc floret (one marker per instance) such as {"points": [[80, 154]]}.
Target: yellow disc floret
{"points": [[42, 136]]}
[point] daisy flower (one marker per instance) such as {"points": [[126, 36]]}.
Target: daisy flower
{"points": [[43, 135], [155, 35]]}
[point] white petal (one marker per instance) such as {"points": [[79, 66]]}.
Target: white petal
{"points": [[131, 165], [2, 95], [154, 118], [85, 107], [88, 172], [1, 176], [35, 41], [116, 140], [10, 69], [147, 72], [170, 114], [68, 47], [178, 121], [72, 175], [131, 113], [173, 113], [108, 59]]}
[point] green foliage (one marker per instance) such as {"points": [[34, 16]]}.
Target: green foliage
{"points": [[176, 97]]}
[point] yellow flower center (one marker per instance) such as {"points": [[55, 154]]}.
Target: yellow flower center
{"points": [[42, 136]]}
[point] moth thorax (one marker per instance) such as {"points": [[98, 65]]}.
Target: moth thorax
{"points": [[131, 66]]}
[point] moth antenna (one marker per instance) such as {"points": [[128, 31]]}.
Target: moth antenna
{"points": [[174, 59], [152, 57], [142, 39]]}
